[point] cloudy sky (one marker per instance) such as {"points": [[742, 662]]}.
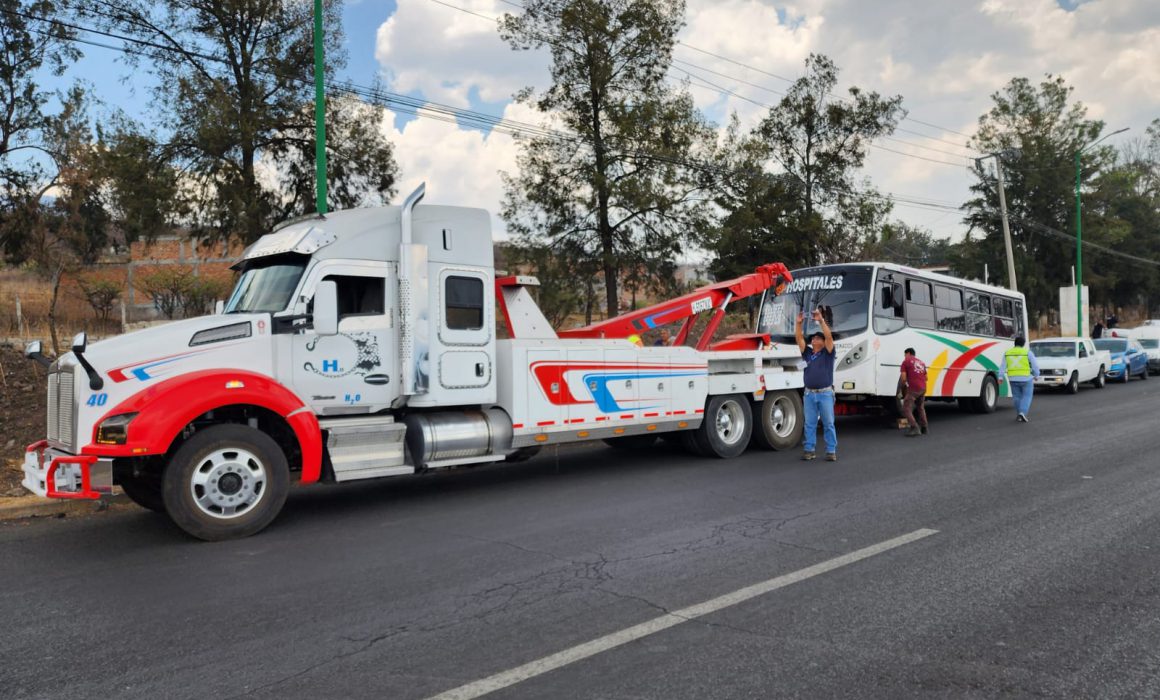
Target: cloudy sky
{"points": [[945, 57]]}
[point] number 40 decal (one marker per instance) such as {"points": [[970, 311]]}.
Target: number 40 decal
{"points": [[98, 400]]}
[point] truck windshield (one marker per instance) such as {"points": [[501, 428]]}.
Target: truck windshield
{"points": [[1053, 349], [842, 291], [267, 285]]}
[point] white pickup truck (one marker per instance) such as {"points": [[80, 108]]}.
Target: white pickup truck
{"points": [[1069, 362]]}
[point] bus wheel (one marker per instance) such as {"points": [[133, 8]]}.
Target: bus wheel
{"points": [[727, 427], [988, 396], [226, 482], [782, 421]]}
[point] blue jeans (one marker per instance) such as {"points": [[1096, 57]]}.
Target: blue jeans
{"points": [[820, 405], [1021, 392]]}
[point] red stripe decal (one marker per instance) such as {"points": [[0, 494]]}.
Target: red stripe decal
{"points": [[678, 413], [626, 416], [651, 415], [699, 410], [601, 417], [576, 420], [517, 425], [959, 365], [546, 422]]}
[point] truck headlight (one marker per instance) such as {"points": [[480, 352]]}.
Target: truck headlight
{"points": [[115, 429]]}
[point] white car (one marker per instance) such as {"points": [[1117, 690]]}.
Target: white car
{"points": [[1149, 339], [1069, 362]]}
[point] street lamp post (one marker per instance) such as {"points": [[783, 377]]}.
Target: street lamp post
{"points": [[1079, 236], [1003, 210]]}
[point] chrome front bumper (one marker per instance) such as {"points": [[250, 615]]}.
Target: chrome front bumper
{"points": [[53, 473]]}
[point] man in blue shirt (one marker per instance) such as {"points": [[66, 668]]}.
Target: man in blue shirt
{"points": [[819, 381], [1020, 369]]}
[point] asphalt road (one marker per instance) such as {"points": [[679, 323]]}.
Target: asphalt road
{"points": [[1041, 579]]}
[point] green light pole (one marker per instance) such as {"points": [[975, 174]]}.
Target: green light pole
{"points": [[320, 113], [1079, 236]]}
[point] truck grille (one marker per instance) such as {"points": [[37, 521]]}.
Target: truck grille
{"points": [[61, 408]]}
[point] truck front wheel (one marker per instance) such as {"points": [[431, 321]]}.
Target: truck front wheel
{"points": [[144, 489], [226, 482]]}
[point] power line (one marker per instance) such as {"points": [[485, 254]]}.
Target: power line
{"points": [[454, 115], [515, 4]]}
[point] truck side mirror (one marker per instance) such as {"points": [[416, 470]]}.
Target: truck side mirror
{"points": [[219, 307], [326, 308], [80, 342]]}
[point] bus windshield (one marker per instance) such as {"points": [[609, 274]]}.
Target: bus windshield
{"points": [[267, 285], [841, 291]]}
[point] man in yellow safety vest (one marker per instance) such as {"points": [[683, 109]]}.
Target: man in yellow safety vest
{"points": [[1020, 368]]}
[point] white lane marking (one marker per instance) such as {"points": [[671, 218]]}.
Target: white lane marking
{"points": [[644, 629]]}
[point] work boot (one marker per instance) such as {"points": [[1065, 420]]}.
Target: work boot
{"points": [[913, 432], [809, 456], [924, 429], [831, 456]]}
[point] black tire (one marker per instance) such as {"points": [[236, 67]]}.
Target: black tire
{"points": [[988, 398], [632, 442], [241, 475], [691, 442], [145, 491], [1144, 374], [523, 454], [782, 421], [727, 427], [1101, 379], [1073, 384]]}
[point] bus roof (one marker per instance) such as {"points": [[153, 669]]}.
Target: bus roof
{"points": [[925, 274]]}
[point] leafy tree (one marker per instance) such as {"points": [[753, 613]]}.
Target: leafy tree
{"points": [[760, 211], [821, 141], [31, 49], [235, 93], [621, 194], [167, 287], [562, 290], [141, 187], [101, 294], [1037, 130], [904, 244]]}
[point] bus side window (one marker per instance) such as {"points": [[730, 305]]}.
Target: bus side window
{"points": [[888, 316], [979, 314], [919, 308]]}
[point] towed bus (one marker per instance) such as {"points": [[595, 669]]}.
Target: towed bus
{"points": [[959, 328]]}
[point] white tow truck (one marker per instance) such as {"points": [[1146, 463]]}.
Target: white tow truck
{"points": [[364, 345]]}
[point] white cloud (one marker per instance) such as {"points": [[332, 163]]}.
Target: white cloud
{"points": [[460, 166], [444, 53], [945, 58]]}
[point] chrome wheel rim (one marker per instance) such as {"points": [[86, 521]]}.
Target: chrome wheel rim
{"points": [[228, 483], [990, 394], [782, 418], [730, 423]]}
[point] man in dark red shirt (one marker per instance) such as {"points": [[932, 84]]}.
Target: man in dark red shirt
{"points": [[913, 377]]}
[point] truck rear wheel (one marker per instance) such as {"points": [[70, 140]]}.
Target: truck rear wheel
{"points": [[781, 421], [727, 427], [226, 482]]}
